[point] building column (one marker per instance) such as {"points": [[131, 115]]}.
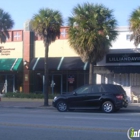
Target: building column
{"points": [[27, 45]]}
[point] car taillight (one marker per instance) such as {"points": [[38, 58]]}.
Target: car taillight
{"points": [[120, 97]]}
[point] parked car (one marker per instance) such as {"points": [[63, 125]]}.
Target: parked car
{"points": [[107, 97]]}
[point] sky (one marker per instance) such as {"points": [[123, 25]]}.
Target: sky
{"points": [[23, 10]]}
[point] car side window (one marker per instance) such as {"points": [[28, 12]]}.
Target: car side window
{"points": [[102, 89], [96, 89], [84, 89]]}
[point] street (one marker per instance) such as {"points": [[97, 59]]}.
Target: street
{"points": [[49, 124]]}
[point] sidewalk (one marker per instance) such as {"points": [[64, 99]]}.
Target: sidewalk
{"points": [[24, 103], [39, 103]]}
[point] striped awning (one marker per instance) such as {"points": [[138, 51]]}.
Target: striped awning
{"points": [[59, 63], [11, 64]]}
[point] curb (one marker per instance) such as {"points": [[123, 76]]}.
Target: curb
{"points": [[6, 99], [50, 107], [25, 103], [21, 107]]}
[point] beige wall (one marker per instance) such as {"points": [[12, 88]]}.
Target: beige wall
{"points": [[11, 50], [59, 48]]}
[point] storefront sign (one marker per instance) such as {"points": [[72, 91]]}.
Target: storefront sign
{"points": [[123, 58], [6, 51]]}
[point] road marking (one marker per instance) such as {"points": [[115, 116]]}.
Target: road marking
{"points": [[114, 119], [65, 127]]}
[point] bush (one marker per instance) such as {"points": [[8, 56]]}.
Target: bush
{"points": [[29, 95]]}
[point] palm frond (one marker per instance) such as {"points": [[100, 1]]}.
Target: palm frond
{"points": [[6, 23], [134, 24], [88, 27], [47, 24]]}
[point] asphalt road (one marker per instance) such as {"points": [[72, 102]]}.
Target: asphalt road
{"points": [[49, 124]]}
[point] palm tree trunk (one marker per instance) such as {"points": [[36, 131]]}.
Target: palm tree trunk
{"points": [[46, 75], [91, 73]]}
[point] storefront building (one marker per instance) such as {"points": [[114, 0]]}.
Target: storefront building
{"points": [[122, 65], [22, 64], [11, 57], [66, 70]]}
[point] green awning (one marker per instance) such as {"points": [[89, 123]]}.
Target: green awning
{"points": [[11, 64]]}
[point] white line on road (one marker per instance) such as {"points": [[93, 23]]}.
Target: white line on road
{"points": [[64, 127], [114, 119]]}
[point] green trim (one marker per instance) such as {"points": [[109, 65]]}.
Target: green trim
{"points": [[17, 65], [10, 64]]}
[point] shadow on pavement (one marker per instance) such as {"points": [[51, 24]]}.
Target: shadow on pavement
{"points": [[121, 111]]}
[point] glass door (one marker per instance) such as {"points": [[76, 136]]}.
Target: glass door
{"points": [[10, 83], [2, 82], [56, 84], [7, 83]]}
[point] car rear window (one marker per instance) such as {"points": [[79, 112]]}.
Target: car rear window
{"points": [[113, 88]]}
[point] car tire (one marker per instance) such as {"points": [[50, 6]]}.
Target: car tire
{"points": [[107, 107], [62, 106]]}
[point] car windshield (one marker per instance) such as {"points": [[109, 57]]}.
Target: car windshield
{"points": [[83, 89]]}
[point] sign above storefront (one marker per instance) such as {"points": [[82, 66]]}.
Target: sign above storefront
{"points": [[123, 58], [11, 50], [6, 51]]}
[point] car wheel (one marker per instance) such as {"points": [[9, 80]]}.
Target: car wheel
{"points": [[62, 106], [107, 107]]}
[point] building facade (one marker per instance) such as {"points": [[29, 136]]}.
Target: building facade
{"points": [[11, 56], [121, 65], [66, 70], [22, 64]]}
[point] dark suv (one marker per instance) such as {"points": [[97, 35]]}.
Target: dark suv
{"points": [[107, 97]]}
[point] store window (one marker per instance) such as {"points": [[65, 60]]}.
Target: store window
{"points": [[128, 37], [135, 79], [122, 79]]}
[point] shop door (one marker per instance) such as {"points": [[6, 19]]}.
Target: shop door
{"points": [[10, 83], [56, 84], [7, 83], [2, 82]]}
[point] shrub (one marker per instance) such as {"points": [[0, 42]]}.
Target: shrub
{"points": [[29, 95]]}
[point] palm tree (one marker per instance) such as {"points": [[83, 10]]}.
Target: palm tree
{"points": [[47, 25], [91, 31], [6, 23], [134, 24]]}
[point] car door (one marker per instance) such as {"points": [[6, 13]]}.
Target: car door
{"points": [[93, 98], [78, 100]]}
